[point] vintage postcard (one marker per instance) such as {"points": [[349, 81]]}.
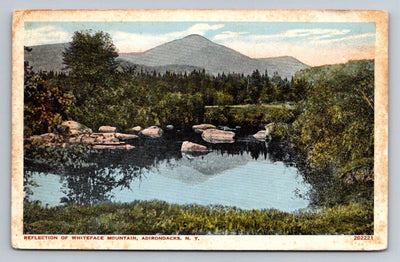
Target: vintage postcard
{"points": [[200, 129]]}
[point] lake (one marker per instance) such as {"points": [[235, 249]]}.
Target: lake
{"points": [[247, 174]]}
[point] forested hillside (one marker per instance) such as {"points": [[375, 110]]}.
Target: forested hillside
{"points": [[333, 136]]}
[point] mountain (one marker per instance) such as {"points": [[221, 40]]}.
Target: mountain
{"points": [[46, 57], [286, 66], [181, 55], [198, 51]]}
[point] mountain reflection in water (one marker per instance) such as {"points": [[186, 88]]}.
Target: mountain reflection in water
{"points": [[246, 174], [197, 169]]}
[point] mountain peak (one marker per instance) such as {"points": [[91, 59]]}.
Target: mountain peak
{"points": [[197, 39], [195, 36]]}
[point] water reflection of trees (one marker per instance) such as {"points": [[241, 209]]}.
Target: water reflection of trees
{"points": [[89, 176]]}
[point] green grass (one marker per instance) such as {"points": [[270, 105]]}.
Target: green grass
{"points": [[158, 217], [288, 105]]}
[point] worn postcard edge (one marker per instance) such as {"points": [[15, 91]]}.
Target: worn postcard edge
{"points": [[264, 242]]}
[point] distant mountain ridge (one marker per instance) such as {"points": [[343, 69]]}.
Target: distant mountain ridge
{"points": [[180, 55], [46, 57]]}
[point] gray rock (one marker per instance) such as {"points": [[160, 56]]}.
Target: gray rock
{"points": [[94, 140], [216, 136], [105, 137], [107, 129], [125, 136], [73, 128], [122, 147], [193, 147], [135, 129], [169, 127], [153, 131], [260, 135], [202, 127], [47, 139], [71, 125], [270, 128], [88, 140], [227, 128]]}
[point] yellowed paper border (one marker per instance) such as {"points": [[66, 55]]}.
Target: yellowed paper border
{"points": [[318, 242]]}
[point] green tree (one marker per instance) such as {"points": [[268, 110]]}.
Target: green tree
{"points": [[223, 99], [92, 58], [334, 135], [45, 103], [177, 108], [98, 93]]}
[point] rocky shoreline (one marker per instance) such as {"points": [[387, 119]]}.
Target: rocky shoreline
{"points": [[71, 133]]}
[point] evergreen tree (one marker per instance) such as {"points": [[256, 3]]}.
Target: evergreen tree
{"points": [[92, 58]]}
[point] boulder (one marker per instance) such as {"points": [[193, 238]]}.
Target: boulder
{"points": [[270, 128], [74, 140], [227, 128], [202, 127], [73, 128], [125, 136], [50, 137], [260, 135], [153, 131], [45, 139], [135, 129], [111, 140], [193, 147], [88, 140], [94, 140], [35, 139], [218, 136], [106, 136], [71, 125], [103, 147], [107, 129], [129, 147]]}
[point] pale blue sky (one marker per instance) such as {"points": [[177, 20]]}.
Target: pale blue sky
{"points": [[312, 43]]}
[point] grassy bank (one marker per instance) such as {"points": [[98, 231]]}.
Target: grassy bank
{"points": [[157, 217], [250, 115], [289, 105]]}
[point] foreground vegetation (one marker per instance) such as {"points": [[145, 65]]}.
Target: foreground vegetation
{"points": [[156, 217]]}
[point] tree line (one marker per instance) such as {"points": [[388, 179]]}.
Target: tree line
{"points": [[99, 91]]}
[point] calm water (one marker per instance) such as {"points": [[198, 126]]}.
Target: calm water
{"points": [[247, 174]]}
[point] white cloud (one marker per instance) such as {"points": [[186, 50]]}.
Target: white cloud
{"points": [[305, 34], [46, 35], [312, 46], [228, 35], [308, 53], [134, 42], [202, 28], [347, 38], [124, 41], [328, 33]]}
